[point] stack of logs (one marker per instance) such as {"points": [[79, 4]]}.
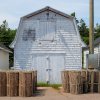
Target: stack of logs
{"points": [[12, 83], [18, 83], [26, 84], [3, 84], [79, 82]]}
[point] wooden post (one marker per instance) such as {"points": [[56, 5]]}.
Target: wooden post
{"points": [[91, 31]]}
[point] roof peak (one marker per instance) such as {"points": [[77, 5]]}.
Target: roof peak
{"points": [[47, 8]]}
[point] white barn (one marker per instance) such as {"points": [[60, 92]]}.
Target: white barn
{"points": [[86, 51], [4, 57], [48, 41]]}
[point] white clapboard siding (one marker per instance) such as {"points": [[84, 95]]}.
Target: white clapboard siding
{"points": [[56, 40]]}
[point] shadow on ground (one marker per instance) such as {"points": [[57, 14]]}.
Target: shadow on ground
{"points": [[40, 92]]}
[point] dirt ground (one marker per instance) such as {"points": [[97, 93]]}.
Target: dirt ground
{"points": [[52, 94]]}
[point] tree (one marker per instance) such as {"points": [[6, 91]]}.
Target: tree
{"points": [[74, 15], [97, 31], [6, 37], [6, 34], [83, 29]]}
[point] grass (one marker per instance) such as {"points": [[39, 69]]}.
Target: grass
{"points": [[55, 86], [43, 84]]}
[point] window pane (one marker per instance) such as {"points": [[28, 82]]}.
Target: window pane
{"points": [[29, 35], [25, 35]]}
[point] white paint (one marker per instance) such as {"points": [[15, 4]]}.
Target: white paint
{"points": [[4, 60], [48, 66], [56, 39]]}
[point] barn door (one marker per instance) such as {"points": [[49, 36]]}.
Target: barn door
{"points": [[57, 64], [47, 30], [40, 63], [49, 67]]}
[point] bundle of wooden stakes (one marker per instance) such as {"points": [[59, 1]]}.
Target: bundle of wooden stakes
{"points": [[78, 82], [12, 83], [3, 84], [18, 83], [27, 83]]}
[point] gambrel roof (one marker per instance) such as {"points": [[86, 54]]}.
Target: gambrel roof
{"points": [[48, 9], [52, 10]]}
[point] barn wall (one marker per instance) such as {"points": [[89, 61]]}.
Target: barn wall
{"points": [[64, 38], [4, 60]]}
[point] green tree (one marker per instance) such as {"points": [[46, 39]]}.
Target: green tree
{"points": [[6, 34], [6, 37], [74, 15], [97, 31], [83, 29]]}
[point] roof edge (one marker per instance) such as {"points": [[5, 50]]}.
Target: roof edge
{"points": [[47, 8], [6, 50], [78, 33]]}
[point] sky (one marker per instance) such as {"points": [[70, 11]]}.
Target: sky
{"points": [[12, 10]]}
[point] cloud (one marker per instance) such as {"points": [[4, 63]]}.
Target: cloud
{"points": [[12, 10], [12, 20]]}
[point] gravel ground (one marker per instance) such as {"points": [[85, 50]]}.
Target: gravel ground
{"points": [[52, 94]]}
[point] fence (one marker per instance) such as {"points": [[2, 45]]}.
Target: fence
{"points": [[27, 83], [3, 84], [78, 82], [12, 83], [18, 83]]}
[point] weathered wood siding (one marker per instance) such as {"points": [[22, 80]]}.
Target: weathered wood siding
{"points": [[59, 29]]}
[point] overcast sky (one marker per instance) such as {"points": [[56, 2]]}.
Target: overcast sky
{"points": [[12, 10]]}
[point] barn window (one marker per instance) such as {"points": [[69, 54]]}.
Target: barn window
{"points": [[25, 35], [29, 35]]}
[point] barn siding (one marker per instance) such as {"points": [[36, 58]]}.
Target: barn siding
{"points": [[65, 40]]}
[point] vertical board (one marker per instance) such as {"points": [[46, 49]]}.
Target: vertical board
{"points": [[47, 30], [65, 81], [12, 83], [27, 83], [39, 62], [57, 64], [49, 67], [3, 84]]}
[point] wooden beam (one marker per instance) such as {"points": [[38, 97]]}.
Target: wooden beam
{"points": [[91, 31]]}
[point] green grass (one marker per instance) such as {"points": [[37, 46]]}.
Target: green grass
{"points": [[55, 86], [42, 84]]}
